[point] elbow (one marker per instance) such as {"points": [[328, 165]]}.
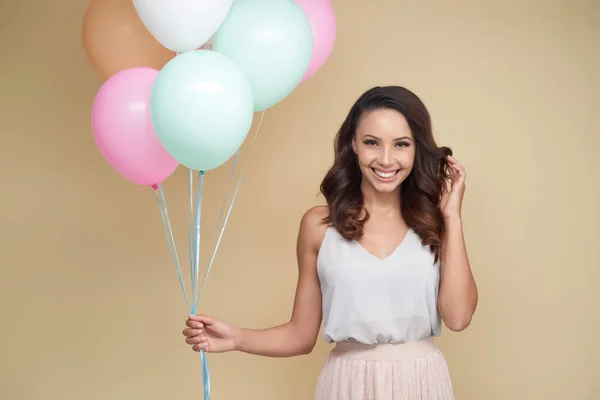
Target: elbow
{"points": [[305, 339], [457, 316], [307, 347], [459, 323], [457, 319], [305, 351]]}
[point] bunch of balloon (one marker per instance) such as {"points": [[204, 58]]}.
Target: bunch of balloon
{"points": [[183, 80]]}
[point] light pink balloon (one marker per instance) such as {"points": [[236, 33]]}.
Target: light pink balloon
{"points": [[321, 17], [123, 128]]}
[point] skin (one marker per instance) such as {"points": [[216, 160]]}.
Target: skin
{"points": [[383, 142]]}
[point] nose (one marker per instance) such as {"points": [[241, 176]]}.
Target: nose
{"points": [[385, 156]]}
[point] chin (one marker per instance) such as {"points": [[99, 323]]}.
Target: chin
{"points": [[385, 188]]}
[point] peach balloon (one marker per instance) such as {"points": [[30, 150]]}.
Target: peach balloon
{"points": [[114, 39]]}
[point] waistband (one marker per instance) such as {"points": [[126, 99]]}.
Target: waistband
{"points": [[385, 352]]}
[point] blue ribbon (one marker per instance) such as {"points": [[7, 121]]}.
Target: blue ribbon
{"points": [[197, 214], [194, 241], [194, 223]]}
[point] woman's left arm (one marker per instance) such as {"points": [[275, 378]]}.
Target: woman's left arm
{"points": [[458, 295]]}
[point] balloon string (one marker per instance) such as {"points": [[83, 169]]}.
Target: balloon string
{"points": [[195, 238], [194, 213], [190, 223], [162, 204], [205, 375], [190, 220], [235, 159], [197, 230], [235, 193], [203, 357]]}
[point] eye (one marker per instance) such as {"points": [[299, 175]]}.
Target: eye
{"points": [[403, 144], [370, 142]]}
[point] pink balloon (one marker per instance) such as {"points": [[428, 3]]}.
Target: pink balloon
{"points": [[123, 128], [321, 17]]}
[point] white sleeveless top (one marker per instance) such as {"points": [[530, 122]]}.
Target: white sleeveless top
{"points": [[371, 300]]}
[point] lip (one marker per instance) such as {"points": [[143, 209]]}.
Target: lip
{"points": [[391, 179]]}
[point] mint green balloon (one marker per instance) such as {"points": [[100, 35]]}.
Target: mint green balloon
{"points": [[201, 108], [271, 41]]}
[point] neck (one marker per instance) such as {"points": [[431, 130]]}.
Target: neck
{"points": [[380, 202]]}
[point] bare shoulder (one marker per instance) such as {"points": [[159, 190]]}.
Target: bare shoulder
{"points": [[314, 216], [313, 227]]}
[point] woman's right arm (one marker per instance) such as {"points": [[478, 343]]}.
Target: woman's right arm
{"points": [[296, 337], [299, 335]]}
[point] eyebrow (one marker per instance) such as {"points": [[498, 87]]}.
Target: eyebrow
{"points": [[395, 140]]}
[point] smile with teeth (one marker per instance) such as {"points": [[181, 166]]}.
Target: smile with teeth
{"points": [[385, 175]]}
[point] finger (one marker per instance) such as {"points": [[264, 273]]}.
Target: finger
{"points": [[205, 319], [452, 173], [454, 163], [459, 183], [460, 170], [194, 324], [456, 166], [196, 339], [452, 159], [200, 346], [191, 332]]}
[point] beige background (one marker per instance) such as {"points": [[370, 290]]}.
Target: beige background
{"points": [[90, 305]]}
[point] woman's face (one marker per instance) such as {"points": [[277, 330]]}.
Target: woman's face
{"points": [[385, 148]]}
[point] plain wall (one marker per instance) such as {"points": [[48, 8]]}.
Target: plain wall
{"points": [[90, 306]]}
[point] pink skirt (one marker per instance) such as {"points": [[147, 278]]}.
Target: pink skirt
{"points": [[409, 371]]}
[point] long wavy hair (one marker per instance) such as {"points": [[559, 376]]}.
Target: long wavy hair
{"points": [[420, 192]]}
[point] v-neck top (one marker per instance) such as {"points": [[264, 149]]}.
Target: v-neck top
{"points": [[371, 300]]}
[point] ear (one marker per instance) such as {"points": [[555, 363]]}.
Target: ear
{"points": [[354, 144]]}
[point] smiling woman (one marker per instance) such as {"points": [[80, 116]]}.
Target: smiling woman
{"points": [[380, 266], [385, 141]]}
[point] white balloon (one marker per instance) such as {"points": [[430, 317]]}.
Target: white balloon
{"points": [[182, 25]]}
